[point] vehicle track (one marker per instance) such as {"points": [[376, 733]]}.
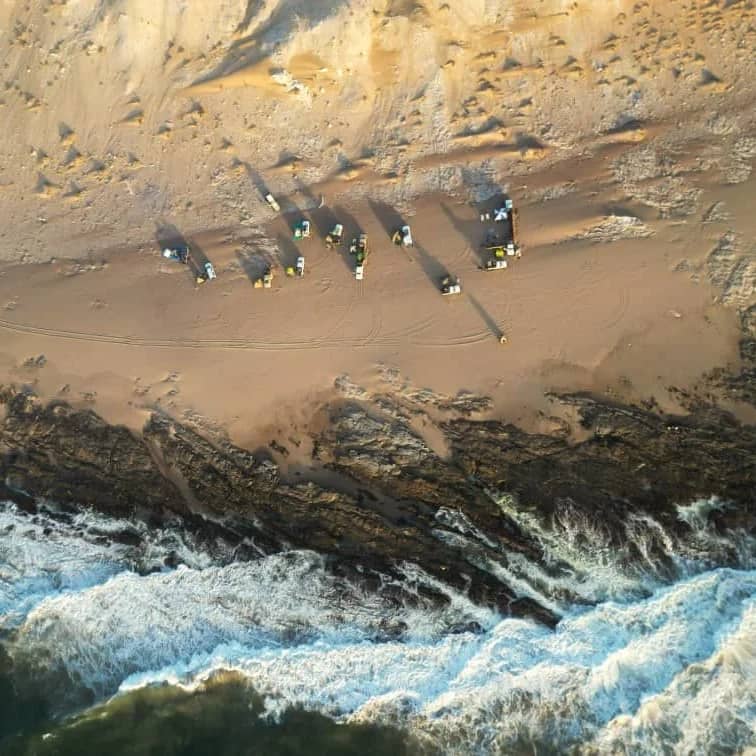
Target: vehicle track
{"points": [[622, 306], [375, 328], [460, 341], [414, 330], [342, 319], [372, 339]]}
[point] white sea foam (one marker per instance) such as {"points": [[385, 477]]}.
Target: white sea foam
{"points": [[581, 553], [133, 623], [706, 543], [707, 707], [43, 555], [664, 668], [600, 675]]}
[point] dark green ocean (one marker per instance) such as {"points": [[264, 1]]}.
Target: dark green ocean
{"points": [[223, 717]]}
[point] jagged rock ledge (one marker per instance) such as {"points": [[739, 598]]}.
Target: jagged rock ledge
{"points": [[497, 490]]}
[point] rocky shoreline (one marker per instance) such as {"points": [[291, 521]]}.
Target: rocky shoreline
{"points": [[496, 492]]}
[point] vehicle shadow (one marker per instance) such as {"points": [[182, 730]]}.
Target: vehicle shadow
{"points": [[432, 267], [199, 257], [311, 202], [255, 179], [289, 205], [491, 324], [351, 229], [323, 220], [253, 264], [288, 252], [497, 232], [387, 216], [261, 187], [470, 231], [168, 236]]}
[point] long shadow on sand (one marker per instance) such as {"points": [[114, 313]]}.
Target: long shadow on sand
{"points": [[288, 207], [391, 220], [387, 216], [291, 213], [288, 251], [491, 324], [253, 264], [470, 230], [433, 268], [257, 181], [311, 202], [323, 220], [351, 229]]}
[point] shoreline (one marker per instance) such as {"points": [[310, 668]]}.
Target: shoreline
{"points": [[359, 509], [365, 480]]}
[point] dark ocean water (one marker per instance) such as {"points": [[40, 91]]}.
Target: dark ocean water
{"points": [[223, 718]]}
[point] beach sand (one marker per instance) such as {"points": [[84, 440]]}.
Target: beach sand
{"points": [[625, 136]]}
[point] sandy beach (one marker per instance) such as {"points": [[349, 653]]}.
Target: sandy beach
{"points": [[127, 331], [634, 219]]}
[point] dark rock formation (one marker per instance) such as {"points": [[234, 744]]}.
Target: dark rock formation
{"points": [[454, 516], [75, 457]]}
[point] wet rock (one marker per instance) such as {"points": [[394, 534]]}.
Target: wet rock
{"points": [[635, 462], [75, 457], [502, 495]]}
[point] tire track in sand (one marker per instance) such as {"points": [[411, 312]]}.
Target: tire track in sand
{"points": [[372, 339]]}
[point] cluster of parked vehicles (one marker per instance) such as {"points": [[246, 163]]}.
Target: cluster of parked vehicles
{"points": [[499, 243]]}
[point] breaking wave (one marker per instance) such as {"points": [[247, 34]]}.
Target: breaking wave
{"points": [[650, 666]]}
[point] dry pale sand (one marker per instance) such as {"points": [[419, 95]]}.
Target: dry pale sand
{"points": [[624, 131]]}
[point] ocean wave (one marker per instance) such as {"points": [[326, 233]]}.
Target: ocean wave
{"points": [[662, 664], [596, 678], [49, 552]]}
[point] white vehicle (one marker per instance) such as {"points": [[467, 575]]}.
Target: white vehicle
{"points": [[359, 248], [302, 230], [271, 200], [513, 250], [209, 271], [179, 253], [407, 236], [300, 265], [496, 265], [403, 237], [450, 285]]}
